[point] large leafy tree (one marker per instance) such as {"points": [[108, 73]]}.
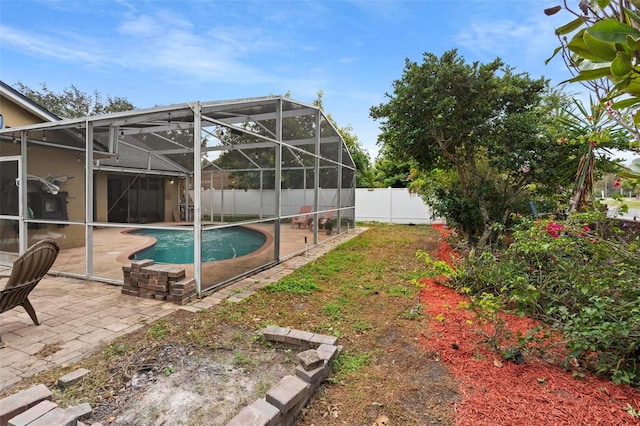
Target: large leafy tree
{"points": [[74, 103], [365, 177], [600, 47], [484, 122], [391, 173], [253, 168], [361, 158]]}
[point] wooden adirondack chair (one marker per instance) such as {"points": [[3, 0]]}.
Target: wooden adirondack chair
{"points": [[324, 219], [24, 276], [304, 219]]}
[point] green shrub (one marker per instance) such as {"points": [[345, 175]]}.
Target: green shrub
{"points": [[581, 276]]}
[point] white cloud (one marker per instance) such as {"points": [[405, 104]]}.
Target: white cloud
{"points": [[68, 49], [528, 44], [202, 43], [174, 46], [142, 26], [349, 60], [162, 42], [497, 37]]}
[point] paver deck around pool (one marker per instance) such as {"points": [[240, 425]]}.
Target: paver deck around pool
{"points": [[77, 316], [112, 247]]}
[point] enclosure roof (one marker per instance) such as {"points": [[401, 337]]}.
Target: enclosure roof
{"points": [[230, 111], [161, 138]]}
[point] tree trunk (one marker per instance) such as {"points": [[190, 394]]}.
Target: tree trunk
{"points": [[583, 185], [486, 235]]}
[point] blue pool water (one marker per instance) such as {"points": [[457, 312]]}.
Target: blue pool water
{"points": [[174, 246]]}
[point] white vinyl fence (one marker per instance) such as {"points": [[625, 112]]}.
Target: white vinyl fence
{"points": [[392, 205], [238, 202], [389, 205]]}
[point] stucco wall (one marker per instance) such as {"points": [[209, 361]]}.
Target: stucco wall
{"points": [[15, 115], [170, 198], [46, 161], [102, 209]]}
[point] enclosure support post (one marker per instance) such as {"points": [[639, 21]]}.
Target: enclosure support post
{"points": [[316, 179], [211, 195], [261, 195], [221, 197], [340, 171], [187, 185], [197, 196], [88, 202], [278, 180], [23, 241]]}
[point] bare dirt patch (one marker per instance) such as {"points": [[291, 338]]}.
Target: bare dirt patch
{"points": [[194, 387], [170, 382]]}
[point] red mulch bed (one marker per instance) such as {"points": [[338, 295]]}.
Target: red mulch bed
{"points": [[500, 392]]}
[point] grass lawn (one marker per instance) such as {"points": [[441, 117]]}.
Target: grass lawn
{"points": [[361, 291]]}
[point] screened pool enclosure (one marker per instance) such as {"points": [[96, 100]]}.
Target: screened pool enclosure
{"points": [[270, 166]]}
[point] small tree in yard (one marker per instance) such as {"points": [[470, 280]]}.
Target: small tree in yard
{"points": [[593, 132], [487, 124]]}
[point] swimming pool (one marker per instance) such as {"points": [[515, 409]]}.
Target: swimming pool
{"points": [[174, 246]]}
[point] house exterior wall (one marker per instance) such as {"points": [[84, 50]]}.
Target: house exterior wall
{"points": [[47, 161], [101, 180], [9, 149], [170, 198], [51, 162], [15, 115], [100, 194]]}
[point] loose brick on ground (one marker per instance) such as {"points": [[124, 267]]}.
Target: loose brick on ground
{"points": [[33, 413], [287, 393], [73, 377], [260, 413], [19, 402]]}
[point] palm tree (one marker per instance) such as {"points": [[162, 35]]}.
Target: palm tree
{"points": [[597, 134]]}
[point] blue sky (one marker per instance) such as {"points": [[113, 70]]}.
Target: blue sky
{"points": [[164, 52]]}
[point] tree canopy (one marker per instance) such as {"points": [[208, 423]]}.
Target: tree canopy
{"points": [[74, 103], [488, 124], [361, 159], [391, 173], [297, 176]]}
